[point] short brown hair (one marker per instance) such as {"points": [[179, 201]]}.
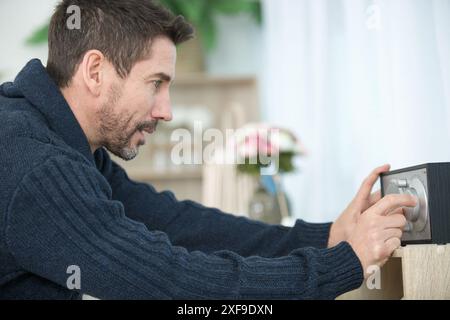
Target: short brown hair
{"points": [[120, 29]]}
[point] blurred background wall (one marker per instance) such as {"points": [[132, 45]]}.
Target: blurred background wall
{"points": [[363, 83], [360, 82]]}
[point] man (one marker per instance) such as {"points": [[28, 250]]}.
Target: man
{"points": [[66, 207]]}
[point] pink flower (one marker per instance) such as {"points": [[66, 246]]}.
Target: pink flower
{"points": [[262, 139]]}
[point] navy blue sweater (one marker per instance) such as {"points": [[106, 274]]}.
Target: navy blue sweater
{"points": [[61, 206]]}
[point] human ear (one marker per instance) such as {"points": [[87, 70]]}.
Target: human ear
{"points": [[92, 70]]}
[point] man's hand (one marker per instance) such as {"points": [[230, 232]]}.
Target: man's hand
{"points": [[378, 231], [343, 227]]}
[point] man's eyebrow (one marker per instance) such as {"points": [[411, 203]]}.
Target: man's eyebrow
{"points": [[160, 75]]}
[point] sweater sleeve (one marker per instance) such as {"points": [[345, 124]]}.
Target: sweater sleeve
{"points": [[196, 227], [62, 215]]}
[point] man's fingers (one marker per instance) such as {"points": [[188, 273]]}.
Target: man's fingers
{"points": [[396, 211], [394, 221], [392, 244], [393, 201], [391, 233], [374, 198], [368, 183]]}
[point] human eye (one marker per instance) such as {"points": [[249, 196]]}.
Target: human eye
{"points": [[157, 84]]}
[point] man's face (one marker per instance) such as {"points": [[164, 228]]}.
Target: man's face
{"points": [[134, 105]]}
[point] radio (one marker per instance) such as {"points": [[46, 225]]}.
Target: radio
{"points": [[429, 221]]}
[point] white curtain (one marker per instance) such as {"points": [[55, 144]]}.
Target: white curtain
{"points": [[362, 83]]}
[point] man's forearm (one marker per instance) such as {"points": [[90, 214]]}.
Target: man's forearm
{"points": [[196, 227]]}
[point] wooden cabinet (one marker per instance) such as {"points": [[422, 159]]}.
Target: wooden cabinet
{"points": [[413, 272]]}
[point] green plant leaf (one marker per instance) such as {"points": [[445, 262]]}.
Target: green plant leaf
{"points": [[286, 162], [208, 32], [201, 13], [193, 10], [40, 36], [231, 7], [251, 169], [256, 11]]}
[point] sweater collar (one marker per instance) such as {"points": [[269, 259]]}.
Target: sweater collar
{"points": [[42, 92]]}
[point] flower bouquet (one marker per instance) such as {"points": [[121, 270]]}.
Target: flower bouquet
{"points": [[267, 152]]}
